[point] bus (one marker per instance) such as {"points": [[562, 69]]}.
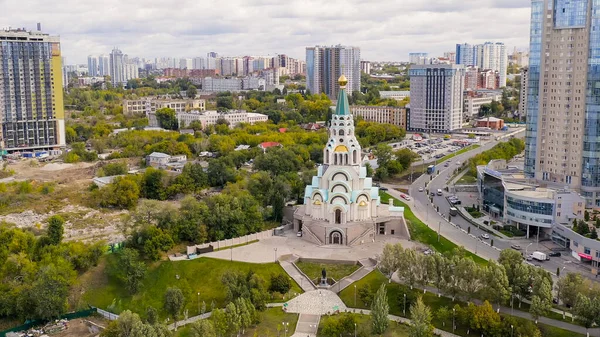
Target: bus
{"points": [[430, 169]]}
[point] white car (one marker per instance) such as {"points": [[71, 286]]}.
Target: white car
{"points": [[485, 236], [457, 163], [299, 234], [420, 189]]}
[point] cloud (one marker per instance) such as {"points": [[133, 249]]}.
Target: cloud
{"points": [[384, 29]]}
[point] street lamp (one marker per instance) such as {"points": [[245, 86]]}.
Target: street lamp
{"points": [[439, 229], [355, 295], [198, 303], [285, 325], [354, 329], [453, 324], [404, 305], [512, 328], [526, 249], [275, 249]]}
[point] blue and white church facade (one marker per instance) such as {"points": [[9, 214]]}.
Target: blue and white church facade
{"points": [[341, 205]]}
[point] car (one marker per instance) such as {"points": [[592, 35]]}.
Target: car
{"points": [[485, 236], [457, 163], [420, 189], [446, 165], [515, 247], [299, 234], [439, 191], [555, 254], [529, 258], [432, 194], [405, 197]]}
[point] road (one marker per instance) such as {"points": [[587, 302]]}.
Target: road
{"points": [[425, 211]]}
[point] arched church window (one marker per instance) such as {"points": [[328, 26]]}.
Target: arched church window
{"points": [[333, 132], [341, 132]]}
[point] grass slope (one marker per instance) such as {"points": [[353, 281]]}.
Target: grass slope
{"points": [[363, 323], [395, 293], [201, 275], [334, 270], [270, 319], [420, 232]]}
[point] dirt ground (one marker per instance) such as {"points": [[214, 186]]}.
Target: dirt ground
{"points": [[82, 223], [81, 328]]}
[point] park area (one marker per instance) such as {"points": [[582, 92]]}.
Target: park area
{"points": [[200, 276]]}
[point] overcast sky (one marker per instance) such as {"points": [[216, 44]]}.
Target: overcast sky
{"points": [[383, 29]]}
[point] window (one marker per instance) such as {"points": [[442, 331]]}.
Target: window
{"points": [[575, 243], [587, 251]]}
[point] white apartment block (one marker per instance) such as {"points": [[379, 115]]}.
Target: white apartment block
{"points": [[380, 114], [436, 95], [493, 56], [149, 105], [210, 84], [473, 102], [397, 95]]}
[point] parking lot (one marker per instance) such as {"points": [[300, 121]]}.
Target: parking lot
{"points": [[432, 147]]}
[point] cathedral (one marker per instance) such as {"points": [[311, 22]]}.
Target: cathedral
{"points": [[341, 205]]}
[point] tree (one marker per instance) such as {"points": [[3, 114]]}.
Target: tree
{"points": [[130, 325], [389, 259], [365, 294], [130, 269], [594, 233], [443, 314], [586, 216], [70, 134], [380, 311], [233, 318], [56, 229], [280, 283], [174, 302], [50, 290], [151, 315], [541, 302], [123, 192], [568, 287], [420, 315], [587, 310], [383, 152], [203, 328], [191, 91], [219, 321], [167, 119], [497, 289]]}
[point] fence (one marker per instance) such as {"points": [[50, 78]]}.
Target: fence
{"points": [[229, 242], [108, 315], [31, 324]]}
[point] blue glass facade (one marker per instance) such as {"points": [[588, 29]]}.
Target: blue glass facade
{"points": [[533, 87], [533, 207], [310, 70], [570, 13], [591, 139]]}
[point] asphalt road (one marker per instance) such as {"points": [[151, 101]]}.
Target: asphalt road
{"points": [[426, 211]]}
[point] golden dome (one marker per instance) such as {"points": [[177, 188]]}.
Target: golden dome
{"points": [[343, 81], [317, 202], [362, 203], [341, 148]]}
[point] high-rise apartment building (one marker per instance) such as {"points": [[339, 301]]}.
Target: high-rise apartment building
{"points": [[324, 65], [523, 92], [563, 133], [117, 68], [365, 67], [465, 55], [436, 97], [492, 56], [103, 65], [92, 65], [31, 96], [418, 58]]}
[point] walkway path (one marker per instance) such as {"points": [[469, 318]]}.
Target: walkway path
{"points": [[525, 315], [188, 321], [367, 266], [307, 325], [296, 275]]}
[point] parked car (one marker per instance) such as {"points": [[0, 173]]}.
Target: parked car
{"points": [[420, 189], [515, 247], [485, 236], [405, 197], [555, 254], [432, 194]]}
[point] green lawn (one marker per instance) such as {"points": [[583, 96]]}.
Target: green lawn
{"points": [[461, 151], [201, 275], [422, 233], [466, 180], [363, 323], [336, 271], [395, 293], [270, 319]]}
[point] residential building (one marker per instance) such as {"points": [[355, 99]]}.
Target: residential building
{"points": [[271, 76], [211, 84], [519, 58], [93, 66], [185, 63], [465, 55], [166, 162], [471, 78], [325, 64], [474, 99], [117, 68], [365, 67], [436, 98], [418, 58], [31, 91], [450, 56], [523, 92], [381, 114], [149, 105], [562, 139], [198, 63], [103, 65]]}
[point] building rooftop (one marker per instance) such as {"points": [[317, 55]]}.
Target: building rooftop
{"points": [[490, 119], [159, 155]]}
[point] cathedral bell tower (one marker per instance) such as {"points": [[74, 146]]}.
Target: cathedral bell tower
{"points": [[342, 148]]}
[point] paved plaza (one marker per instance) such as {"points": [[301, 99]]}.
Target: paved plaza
{"points": [[270, 249], [316, 302]]}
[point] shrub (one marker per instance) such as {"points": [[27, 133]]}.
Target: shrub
{"points": [[280, 283]]}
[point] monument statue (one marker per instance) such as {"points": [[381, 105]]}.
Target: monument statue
{"points": [[324, 273]]}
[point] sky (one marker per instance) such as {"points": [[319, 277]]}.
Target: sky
{"points": [[385, 30]]}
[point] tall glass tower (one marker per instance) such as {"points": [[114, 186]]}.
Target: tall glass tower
{"points": [[563, 98]]}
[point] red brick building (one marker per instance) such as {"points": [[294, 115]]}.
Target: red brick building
{"points": [[490, 122]]}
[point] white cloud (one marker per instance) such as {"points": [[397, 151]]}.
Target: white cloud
{"points": [[384, 29]]}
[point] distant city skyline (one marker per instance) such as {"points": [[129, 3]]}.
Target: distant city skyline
{"points": [[386, 30]]}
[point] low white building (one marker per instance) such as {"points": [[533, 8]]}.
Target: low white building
{"points": [[148, 105], [397, 95], [233, 117], [381, 114], [473, 100]]}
